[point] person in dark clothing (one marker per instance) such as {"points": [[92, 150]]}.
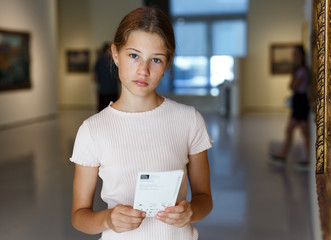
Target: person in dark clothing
{"points": [[106, 78], [299, 110]]}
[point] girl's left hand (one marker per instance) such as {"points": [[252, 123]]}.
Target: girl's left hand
{"points": [[178, 215]]}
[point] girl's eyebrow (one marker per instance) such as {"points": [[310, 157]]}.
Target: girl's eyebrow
{"points": [[133, 49]]}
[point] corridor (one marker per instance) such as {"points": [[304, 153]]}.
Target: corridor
{"points": [[253, 200]]}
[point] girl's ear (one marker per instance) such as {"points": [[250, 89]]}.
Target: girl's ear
{"points": [[114, 53]]}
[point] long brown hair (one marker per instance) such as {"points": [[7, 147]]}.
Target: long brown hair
{"points": [[148, 19]]}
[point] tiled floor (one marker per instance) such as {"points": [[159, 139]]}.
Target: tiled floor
{"points": [[253, 200]]}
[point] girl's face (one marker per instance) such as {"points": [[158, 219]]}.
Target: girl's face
{"points": [[141, 63]]}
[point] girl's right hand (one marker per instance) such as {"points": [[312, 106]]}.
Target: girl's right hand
{"points": [[123, 218]]}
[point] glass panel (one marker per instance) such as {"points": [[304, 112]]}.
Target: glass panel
{"points": [[207, 7], [191, 38], [229, 38], [190, 71], [221, 68], [165, 84]]}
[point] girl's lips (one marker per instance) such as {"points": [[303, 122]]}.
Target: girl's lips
{"points": [[141, 83]]}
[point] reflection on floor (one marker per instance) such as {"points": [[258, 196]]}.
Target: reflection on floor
{"points": [[253, 200]]}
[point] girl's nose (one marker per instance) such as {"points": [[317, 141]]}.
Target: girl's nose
{"points": [[143, 68]]}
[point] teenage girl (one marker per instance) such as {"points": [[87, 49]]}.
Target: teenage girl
{"points": [[141, 131]]}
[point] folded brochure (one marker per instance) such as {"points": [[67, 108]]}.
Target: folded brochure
{"points": [[156, 191]]}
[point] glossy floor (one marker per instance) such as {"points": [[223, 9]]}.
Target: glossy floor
{"points": [[253, 200]]}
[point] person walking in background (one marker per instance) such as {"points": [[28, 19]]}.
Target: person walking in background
{"points": [[106, 79], [142, 131], [299, 110]]}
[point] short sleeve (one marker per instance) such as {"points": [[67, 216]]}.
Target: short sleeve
{"points": [[84, 152], [200, 139]]}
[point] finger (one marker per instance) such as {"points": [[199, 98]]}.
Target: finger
{"points": [[176, 209], [178, 215], [183, 203], [171, 215], [125, 223], [130, 219], [124, 218], [175, 221], [130, 211]]}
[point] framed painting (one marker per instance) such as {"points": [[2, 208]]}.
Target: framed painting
{"points": [[78, 61], [281, 58], [14, 60]]}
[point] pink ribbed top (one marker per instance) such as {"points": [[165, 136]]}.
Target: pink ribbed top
{"points": [[122, 144]]}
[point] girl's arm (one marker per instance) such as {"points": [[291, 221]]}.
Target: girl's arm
{"points": [[121, 218], [201, 204], [199, 177]]}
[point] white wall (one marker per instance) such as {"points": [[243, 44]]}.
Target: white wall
{"points": [[269, 22], [86, 24], [37, 17]]}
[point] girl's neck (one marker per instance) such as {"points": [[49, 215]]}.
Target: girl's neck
{"points": [[138, 104]]}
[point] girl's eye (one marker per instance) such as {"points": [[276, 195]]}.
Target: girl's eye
{"points": [[156, 60], [132, 55]]}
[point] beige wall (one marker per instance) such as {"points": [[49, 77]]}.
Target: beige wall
{"points": [[85, 24], [37, 17], [272, 21]]}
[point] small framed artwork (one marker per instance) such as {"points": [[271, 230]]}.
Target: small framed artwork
{"points": [[14, 60], [78, 61], [281, 58]]}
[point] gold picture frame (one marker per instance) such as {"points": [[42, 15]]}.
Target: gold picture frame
{"points": [[321, 52]]}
